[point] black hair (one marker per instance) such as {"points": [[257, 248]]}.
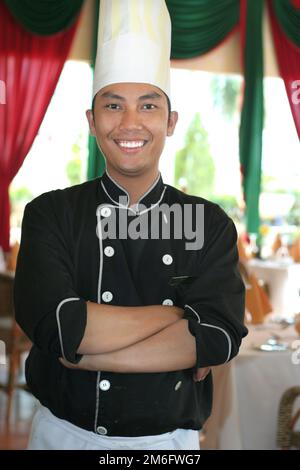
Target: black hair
{"points": [[167, 98]]}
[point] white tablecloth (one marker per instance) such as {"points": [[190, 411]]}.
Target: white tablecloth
{"points": [[247, 393], [283, 281]]}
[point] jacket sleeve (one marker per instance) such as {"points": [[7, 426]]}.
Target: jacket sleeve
{"points": [[47, 306], [214, 300]]}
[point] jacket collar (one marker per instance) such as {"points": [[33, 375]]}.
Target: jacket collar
{"points": [[119, 196]]}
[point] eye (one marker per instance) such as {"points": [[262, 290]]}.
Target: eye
{"points": [[149, 106], [112, 106]]}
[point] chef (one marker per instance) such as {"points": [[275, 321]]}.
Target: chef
{"points": [[125, 311]]}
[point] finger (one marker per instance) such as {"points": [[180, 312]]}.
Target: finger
{"points": [[67, 364], [199, 377], [201, 373]]}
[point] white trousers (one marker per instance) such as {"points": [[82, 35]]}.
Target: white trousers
{"points": [[51, 433]]}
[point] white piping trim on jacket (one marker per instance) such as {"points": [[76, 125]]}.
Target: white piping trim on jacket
{"points": [[217, 328], [98, 213], [150, 189], [225, 333], [121, 206], [194, 311], [128, 198], [112, 199], [70, 299], [156, 204], [97, 400], [99, 302], [123, 189], [117, 184]]}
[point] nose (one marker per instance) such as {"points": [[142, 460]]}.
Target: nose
{"points": [[131, 120]]}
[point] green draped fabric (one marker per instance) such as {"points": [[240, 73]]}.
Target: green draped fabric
{"points": [[289, 19], [44, 17], [96, 161], [252, 113], [200, 25]]}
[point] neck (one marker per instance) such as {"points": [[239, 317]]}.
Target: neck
{"points": [[136, 186]]}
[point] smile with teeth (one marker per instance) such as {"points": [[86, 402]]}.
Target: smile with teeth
{"points": [[130, 144]]}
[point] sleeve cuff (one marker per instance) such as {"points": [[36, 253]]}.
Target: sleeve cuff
{"points": [[71, 317], [213, 343]]}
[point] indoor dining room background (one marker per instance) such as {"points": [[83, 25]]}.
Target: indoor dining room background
{"points": [[236, 143]]}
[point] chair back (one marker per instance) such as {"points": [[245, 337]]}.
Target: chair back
{"points": [[287, 436]]}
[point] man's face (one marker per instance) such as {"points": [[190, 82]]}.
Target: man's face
{"points": [[131, 122]]}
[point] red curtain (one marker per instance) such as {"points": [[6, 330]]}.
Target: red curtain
{"points": [[30, 66], [288, 58]]}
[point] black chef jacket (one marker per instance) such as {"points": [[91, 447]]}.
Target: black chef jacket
{"points": [[64, 262]]}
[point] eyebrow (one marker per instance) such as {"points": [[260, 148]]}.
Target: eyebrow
{"points": [[149, 96], [113, 96]]}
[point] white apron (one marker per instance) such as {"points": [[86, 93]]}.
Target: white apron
{"points": [[51, 433]]}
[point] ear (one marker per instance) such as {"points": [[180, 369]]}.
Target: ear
{"points": [[90, 118], [172, 123]]}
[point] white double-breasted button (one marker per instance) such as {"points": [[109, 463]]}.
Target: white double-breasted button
{"points": [[168, 302], [101, 430], [107, 296], [109, 251], [178, 385], [104, 385], [105, 211], [167, 259]]}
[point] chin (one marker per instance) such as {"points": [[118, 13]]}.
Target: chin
{"points": [[131, 171], [131, 168]]}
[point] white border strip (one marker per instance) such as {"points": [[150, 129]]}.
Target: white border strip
{"points": [[150, 189], [154, 205], [70, 299], [216, 327], [99, 232], [117, 184], [225, 333], [194, 311], [139, 201], [117, 203]]}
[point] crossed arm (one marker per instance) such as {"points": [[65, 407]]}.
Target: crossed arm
{"points": [[136, 339], [110, 328]]}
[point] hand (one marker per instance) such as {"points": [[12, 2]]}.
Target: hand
{"points": [[70, 365], [201, 373], [87, 362]]}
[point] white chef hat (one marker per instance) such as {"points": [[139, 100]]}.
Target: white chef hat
{"points": [[134, 43]]}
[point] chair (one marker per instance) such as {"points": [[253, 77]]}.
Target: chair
{"points": [[16, 342], [287, 436], [257, 301]]}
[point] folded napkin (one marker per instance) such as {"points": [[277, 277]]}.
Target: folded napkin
{"points": [[294, 250], [242, 251], [257, 302]]}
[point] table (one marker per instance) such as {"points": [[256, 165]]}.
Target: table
{"points": [[247, 392], [283, 280]]}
